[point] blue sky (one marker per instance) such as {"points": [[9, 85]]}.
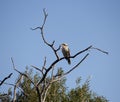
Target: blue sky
{"points": [[79, 23]]}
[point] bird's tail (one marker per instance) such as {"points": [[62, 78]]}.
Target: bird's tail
{"points": [[69, 62]]}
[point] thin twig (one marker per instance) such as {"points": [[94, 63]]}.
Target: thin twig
{"points": [[5, 78], [45, 17], [58, 48], [21, 72], [77, 64], [52, 73], [74, 66], [81, 51], [37, 69], [44, 64], [35, 28], [14, 86], [50, 45], [100, 50]]}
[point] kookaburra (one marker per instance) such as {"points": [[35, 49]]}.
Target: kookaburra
{"points": [[66, 52]]}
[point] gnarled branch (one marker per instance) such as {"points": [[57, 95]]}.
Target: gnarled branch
{"points": [[42, 33], [58, 60]]}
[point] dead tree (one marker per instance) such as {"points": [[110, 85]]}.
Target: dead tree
{"points": [[45, 85]]}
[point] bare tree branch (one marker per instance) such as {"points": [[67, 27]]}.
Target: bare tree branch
{"points": [[44, 68], [37, 69], [81, 51], [38, 93], [55, 78], [58, 48], [42, 33], [45, 17], [16, 85], [5, 78], [45, 93], [74, 66], [21, 72], [35, 28], [58, 60], [7, 83], [52, 73], [100, 50], [37, 87], [77, 64]]}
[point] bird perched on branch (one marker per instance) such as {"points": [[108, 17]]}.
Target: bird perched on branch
{"points": [[66, 52]]}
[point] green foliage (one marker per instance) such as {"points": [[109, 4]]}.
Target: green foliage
{"points": [[58, 91], [29, 93], [83, 94]]}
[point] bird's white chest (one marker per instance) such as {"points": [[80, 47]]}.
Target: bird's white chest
{"points": [[65, 48]]}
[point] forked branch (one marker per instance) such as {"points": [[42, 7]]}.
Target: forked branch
{"points": [[21, 72], [46, 71], [42, 33], [73, 67]]}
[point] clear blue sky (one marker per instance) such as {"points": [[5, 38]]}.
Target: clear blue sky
{"points": [[79, 23]]}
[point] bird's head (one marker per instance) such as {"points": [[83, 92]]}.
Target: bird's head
{"points": [[64, 44]]}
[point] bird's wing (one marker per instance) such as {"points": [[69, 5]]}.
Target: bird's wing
{"points": [[68, 53]]}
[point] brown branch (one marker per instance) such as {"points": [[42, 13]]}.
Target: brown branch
{"points": [[45, 93], [77, 64], [50, 45], [7, 83], [60, 76], [56, 61], [35, 28], [21, 72], [99, 50], [81, 51], [37, 88], [37, 69], [90, 47], [5, 78], [55, 78], [44, 64], [52, 73], [45, 17], [46, 86], [42, 33], [58, 48], [16, 85], [38, 93]]}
